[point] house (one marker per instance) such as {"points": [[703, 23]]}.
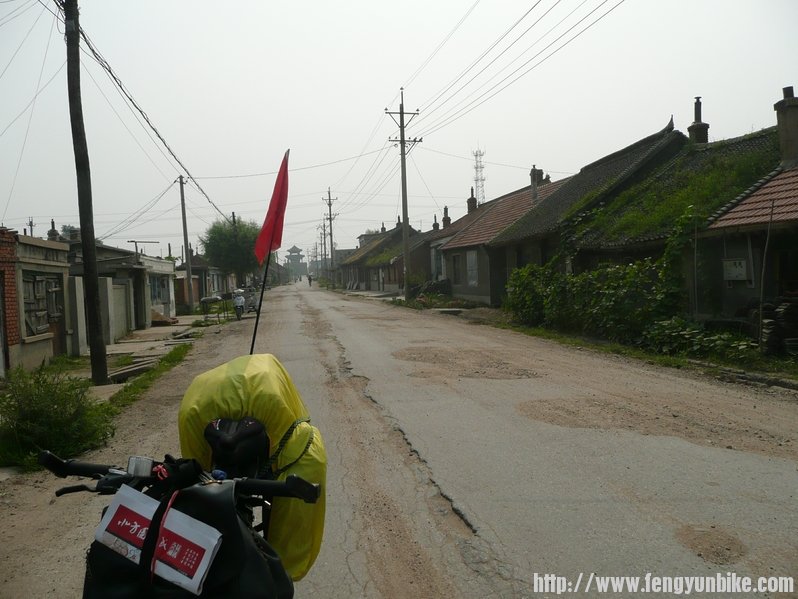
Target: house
{"points": [[208, 280], [439, 237], [750, 245], [131, 286], [479, 272], [36, 321], [537, 237], [373, 266], [700, 183]]}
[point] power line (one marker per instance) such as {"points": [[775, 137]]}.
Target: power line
{"points": [[441, 45], [427, 105], [21, 43], [476, 103], [107, 67], [293, 169], [27, 129]]}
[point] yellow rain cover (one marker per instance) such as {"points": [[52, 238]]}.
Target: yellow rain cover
{"points": [[258, 386]]}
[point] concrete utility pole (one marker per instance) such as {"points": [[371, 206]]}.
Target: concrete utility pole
{"points": [[189, 278], [136, 243], [323, 228], [332, 247], [403, 153], [99, 359]]}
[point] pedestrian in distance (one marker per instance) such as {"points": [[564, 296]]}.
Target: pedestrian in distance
{"points": [[238, 303], [310, 281]]}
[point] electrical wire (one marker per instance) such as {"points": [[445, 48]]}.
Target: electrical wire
{"points": [[426, 105], [33, 100], [118, 82], [130, 220], [21, 43], [441, 45], [118, 116], [454, 108], [479, 101], [293, 169], [20, 10], [27, 129], [418, 170], [428, 149]]}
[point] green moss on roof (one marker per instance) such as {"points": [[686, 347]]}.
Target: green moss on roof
{"points": [[385, 256], [703, 176]]}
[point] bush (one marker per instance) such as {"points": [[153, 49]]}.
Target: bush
{"points": [[676, 336], [527, 292], [45, 410]]}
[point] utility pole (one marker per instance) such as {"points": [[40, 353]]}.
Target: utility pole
{"points": [[99, 359], [190, 280], [323, 244], [403, 154], [30, 224], [136, 243], [332, 247]]}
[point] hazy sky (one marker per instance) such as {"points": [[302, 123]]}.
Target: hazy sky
{"points": [[232, 85]]}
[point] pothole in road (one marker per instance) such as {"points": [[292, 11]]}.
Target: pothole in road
{"points": [[711, 543], [464, 363]]}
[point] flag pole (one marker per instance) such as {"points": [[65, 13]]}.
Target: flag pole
{"points": [[260, 302], [272, 230]]}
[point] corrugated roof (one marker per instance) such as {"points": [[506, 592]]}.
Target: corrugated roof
{"points": [[593, 178], [501, 213], [778, 196]]}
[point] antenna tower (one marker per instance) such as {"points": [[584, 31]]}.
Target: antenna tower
{"points": [[479, 178]]}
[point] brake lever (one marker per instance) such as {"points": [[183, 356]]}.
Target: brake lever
{"points": [[73, 489]]}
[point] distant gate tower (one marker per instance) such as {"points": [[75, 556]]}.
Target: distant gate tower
{"points": [[479, 178]]}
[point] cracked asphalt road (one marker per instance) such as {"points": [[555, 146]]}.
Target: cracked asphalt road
{"points": [[463, 459]]}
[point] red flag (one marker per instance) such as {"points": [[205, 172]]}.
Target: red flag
{"points": [[271, 233]]}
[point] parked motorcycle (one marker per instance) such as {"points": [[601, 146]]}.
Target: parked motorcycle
{"points": [[174, 530]]}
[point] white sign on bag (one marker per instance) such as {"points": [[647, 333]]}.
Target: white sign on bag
{"points": [[185, 547]]}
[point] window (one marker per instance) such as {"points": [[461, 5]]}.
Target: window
{"points": [[472, 265], [42, 297], [159, 289], [457, 275]]}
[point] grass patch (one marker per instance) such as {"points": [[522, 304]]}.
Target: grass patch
{"points": [[133, 391]]}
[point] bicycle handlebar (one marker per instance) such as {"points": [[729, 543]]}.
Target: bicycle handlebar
{"points": [[63, 468], [292, 486]]}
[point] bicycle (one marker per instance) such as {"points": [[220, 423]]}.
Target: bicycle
{"points": [[146, 561]]}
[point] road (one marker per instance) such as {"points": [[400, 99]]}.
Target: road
{"points": [[465, 459]]}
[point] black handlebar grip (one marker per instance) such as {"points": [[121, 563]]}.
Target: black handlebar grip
{"points": [[293, 486], [64, 468]]}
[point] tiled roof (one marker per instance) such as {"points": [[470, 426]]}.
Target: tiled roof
{"points": [[776, 196], [502, 213], [593, 178], [460, 223]]}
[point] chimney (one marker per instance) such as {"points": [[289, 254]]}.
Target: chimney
{"points": [[535, 178], [446, 221], [435, 224], [472, 202], [52, 234], [787, 119], [698, 131]]}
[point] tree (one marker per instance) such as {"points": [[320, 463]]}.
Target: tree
{"points": [[232, 247]]}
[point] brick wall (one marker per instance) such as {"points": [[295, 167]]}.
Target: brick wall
{"points": [[8, 262]]}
